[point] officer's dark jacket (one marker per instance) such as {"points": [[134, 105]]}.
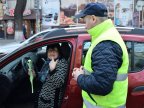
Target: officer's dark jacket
{"points": [[106, 60]]}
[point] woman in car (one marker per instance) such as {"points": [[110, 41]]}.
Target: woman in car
{"points": [[52, 75]]}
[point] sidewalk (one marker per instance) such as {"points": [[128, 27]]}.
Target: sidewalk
{"points": [[10, 40], [7, 41], [8, 45]]}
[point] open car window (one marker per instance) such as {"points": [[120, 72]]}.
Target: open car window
{"points": [[17, 71], [36, 54]]}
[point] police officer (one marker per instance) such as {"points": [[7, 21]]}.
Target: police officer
{"points": [[103, 78]]}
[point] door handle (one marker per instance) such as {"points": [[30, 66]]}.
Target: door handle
{"points": [[138, 91], [66, 97]]}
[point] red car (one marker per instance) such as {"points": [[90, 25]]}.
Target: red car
{"points": [[16, 90]]}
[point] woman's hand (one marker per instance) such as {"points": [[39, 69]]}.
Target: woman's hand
{"points": [[33, 73], [52, 64]]}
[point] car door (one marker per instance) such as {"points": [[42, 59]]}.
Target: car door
{"points": [[13, 64], [134, 43], [135, 98]]}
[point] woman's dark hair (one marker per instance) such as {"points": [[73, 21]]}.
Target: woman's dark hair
{"points": [[56, 45]]}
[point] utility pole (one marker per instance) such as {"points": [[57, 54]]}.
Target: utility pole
{"points": [[37, 9]]}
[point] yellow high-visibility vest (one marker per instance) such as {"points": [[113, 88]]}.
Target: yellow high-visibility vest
{"points": [[117, 97]]}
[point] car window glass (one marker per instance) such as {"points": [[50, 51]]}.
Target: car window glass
{"points": [[136, 56], [86, 46], [17, 62], [135, 52], [130, 53]]}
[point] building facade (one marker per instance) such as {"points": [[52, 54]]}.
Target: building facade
{"points": [[7, 18], [42, 14]]}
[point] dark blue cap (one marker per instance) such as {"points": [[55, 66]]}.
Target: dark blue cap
{"points": [[97, 9]]}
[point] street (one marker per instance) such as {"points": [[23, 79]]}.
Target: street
{"points": [[6, 41]]}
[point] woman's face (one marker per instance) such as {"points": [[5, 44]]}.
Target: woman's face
{"points": [[53, 53]]}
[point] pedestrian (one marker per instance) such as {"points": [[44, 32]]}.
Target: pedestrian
{"points": [[24, 31], [103, 78]]}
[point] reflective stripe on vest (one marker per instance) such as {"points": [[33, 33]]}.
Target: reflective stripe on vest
{"points": [[120, 77], [89, 105]]}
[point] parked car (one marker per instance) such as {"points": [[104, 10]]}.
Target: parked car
{"points": [[16, 91]]}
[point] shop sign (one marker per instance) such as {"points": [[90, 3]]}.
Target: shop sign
{"points": [[123, 12], [10, 12], [69, 9], [50, 12]]}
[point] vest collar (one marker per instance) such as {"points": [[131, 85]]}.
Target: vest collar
{"points": [[99, 29]]}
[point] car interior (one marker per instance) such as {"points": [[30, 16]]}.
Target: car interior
{"points": [[20, 95]]}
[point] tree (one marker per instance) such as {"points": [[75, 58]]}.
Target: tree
{"points": [[18, 17]]}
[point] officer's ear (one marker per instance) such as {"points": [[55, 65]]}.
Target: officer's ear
{"points": [[94, 18]]}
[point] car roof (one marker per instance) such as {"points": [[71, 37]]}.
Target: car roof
{"points": [[56, 32], [130, 30], [68, 32], [36, 35], [65, 32], [77, 30]]}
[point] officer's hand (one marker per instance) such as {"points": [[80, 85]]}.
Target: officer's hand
{"points": [[77, 72]]}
